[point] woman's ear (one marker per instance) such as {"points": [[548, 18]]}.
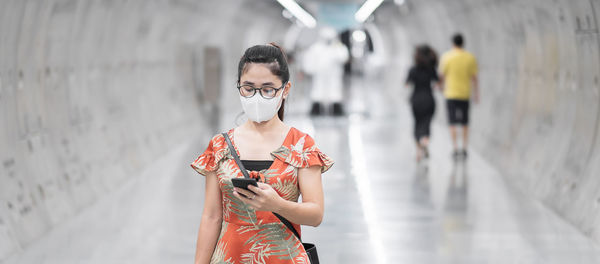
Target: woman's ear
{"points": [[286, 89]]}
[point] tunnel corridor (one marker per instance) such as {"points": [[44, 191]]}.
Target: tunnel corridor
{"points": [[105, 103]]}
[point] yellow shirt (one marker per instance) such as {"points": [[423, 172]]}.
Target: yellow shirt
{"points": [[458, 68]]}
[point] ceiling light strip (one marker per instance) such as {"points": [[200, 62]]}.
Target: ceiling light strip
{"points": [[366, 10], [299, 13]]}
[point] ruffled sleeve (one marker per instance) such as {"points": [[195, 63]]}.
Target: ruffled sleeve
{"points": [[303, 153], [209, 160]]}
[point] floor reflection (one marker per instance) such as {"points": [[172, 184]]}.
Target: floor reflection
{"points": [[457, 191], [454, 223], [421, 191]]}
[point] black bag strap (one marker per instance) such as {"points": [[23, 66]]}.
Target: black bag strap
{"points": [[287, 223], [235, 156]]}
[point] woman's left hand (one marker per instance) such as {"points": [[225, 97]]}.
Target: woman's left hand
{"points": [[261, 198]]}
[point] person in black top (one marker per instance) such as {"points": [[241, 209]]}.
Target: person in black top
{"points": [[421, 76]]}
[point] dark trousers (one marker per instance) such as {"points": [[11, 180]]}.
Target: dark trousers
{"points": [[423, 111]]}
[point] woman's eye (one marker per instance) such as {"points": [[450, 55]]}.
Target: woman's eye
{"points": [[268, 90]]}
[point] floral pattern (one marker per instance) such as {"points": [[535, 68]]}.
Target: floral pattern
{"points": [[249, 236]]}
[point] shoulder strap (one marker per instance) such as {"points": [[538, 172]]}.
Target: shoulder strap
{"points": [[241, 166], [235, 155], [289, 225]]}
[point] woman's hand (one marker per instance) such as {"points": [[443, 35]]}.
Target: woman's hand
{"points": [[261, 198]]}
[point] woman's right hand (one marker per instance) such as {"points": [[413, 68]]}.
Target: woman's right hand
{"points": [[261, 198]]}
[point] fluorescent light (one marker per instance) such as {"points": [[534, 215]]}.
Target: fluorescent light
{"points": [[359, 35], [366, 10], [299, 13]]}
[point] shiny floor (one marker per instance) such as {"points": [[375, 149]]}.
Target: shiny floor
{"points": [[380, 205]]}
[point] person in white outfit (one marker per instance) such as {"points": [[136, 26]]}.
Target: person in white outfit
{"points": [[324, 60]]}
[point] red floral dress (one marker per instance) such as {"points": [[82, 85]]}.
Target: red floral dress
{"points": [[249, 236]]}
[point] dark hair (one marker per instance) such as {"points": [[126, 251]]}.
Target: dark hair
{"points": [[273, 57], [458, 40], [425, 57]]}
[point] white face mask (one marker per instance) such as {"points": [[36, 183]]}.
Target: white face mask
{"points": [[259, 109]]}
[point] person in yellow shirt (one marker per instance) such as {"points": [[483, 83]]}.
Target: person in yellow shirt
{"points": [[458, 72]]}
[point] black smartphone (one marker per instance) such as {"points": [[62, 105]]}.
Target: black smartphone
{"points": [[243, 183]]}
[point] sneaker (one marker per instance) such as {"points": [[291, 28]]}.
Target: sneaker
{"points": [[456, 154], [464, 153]]}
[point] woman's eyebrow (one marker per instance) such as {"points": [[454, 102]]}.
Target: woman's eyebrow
{"points": [[265, 83]]}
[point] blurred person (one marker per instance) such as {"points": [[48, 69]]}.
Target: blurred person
{"points": [[239, 225], [420, 76], [324, 60], [458, 70]]}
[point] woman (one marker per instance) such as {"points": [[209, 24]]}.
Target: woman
{"points": [[238, 226], [421, 76]]}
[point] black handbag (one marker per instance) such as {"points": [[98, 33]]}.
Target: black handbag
{"points": [[311, 249]]}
